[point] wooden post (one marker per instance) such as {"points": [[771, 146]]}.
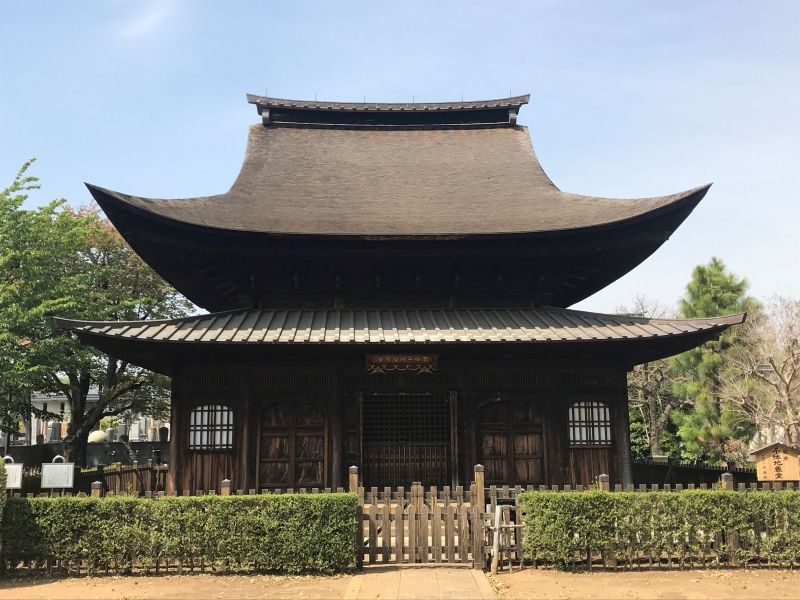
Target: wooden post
{"points": [[727, 481], [417, 495], [359, 531], [417, 502], [732, 536], [336, 412], [225, 487], [496, 540], [480, 492], [97, 489], [353, 479], [604, 483]]}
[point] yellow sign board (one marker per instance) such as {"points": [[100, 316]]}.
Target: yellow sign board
{"points": [[777, 462]]}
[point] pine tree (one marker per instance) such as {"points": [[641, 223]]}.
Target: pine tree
{"points": [[707, 430]]}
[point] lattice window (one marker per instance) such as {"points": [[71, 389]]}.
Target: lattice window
{"points": [[211, 427], [589, 423]]}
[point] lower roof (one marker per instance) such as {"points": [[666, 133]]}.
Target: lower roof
{"points": [[369, 327]]}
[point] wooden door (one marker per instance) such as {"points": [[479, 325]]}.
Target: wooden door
{"points": [[406, 438], [510, 444], [292, 446]]}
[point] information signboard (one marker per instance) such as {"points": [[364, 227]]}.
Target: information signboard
{"points": [[777, 462], [58, 475], [13, 474]]}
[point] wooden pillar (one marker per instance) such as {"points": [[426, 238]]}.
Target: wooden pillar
{"points": [[454, 433], [249, 422], [177, 421], [622, 432], [554, 425], [336, 420]]}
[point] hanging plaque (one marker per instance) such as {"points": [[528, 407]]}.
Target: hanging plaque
{"points": [[413, 363], [58, 475]]}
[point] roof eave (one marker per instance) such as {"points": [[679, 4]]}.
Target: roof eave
{"points": [[687, 201]]}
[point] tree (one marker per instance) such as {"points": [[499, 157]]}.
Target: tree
{"points": [[707, 430], [57, 261], [19, 375], [650, 397], [763, 385]]}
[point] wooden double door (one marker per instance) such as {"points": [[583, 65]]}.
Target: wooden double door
{"points": [[511, 441], [407, 438], [291, 451]]}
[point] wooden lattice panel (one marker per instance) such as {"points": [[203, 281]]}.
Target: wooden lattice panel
{"points": [[406, 437]]}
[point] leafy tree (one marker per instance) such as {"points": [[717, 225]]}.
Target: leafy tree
{"points": [[650, 397], [57, 261], [763, 385], [19, 374], [708, 430]]}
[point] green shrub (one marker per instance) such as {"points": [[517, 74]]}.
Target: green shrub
{"points": [[2, 497], [698, 527], [290, 533]]}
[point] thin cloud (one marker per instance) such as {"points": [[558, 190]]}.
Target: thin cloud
{"points": [[148, 21]]}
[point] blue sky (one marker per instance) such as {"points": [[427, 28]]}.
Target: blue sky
{"points": [[629, 99]]}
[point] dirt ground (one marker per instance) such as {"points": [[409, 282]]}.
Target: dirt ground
{"points": [[526, 584], [690, 585], [173, 587]]}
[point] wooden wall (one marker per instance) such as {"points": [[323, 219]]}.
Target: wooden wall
{"points": [[510, 416]]}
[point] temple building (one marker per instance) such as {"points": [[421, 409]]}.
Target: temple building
{"points": [[388, 287]]}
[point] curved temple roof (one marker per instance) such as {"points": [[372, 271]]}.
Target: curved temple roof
{"points": [[443, 326], [435, 177]]}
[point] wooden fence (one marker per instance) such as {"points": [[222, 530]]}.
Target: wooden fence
{"points": [[477, 526], [667, 470], [134, 480]]}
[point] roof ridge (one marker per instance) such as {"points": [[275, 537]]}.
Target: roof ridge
{"points": [[269, 101]]}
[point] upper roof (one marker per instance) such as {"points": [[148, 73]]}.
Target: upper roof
{"points": [[388, 115], [325, 168], [267, 102]]}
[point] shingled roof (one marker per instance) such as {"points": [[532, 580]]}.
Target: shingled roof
{"points": [[444, 326], [362, 179]]}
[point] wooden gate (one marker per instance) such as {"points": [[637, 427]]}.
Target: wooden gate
{"points": [[443, 534], [438, 525]]}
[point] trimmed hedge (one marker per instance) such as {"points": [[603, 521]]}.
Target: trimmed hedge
{"points": [[698, 527], [289, 533], [2, 488]]}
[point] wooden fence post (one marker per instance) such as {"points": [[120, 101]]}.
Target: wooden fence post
{"points": [[417, 495], [359, 546], [727, 481], [352, 474], [480, 488], [225, 487], [496, 540], [604, 483], [97, 489], [732, 537]]}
